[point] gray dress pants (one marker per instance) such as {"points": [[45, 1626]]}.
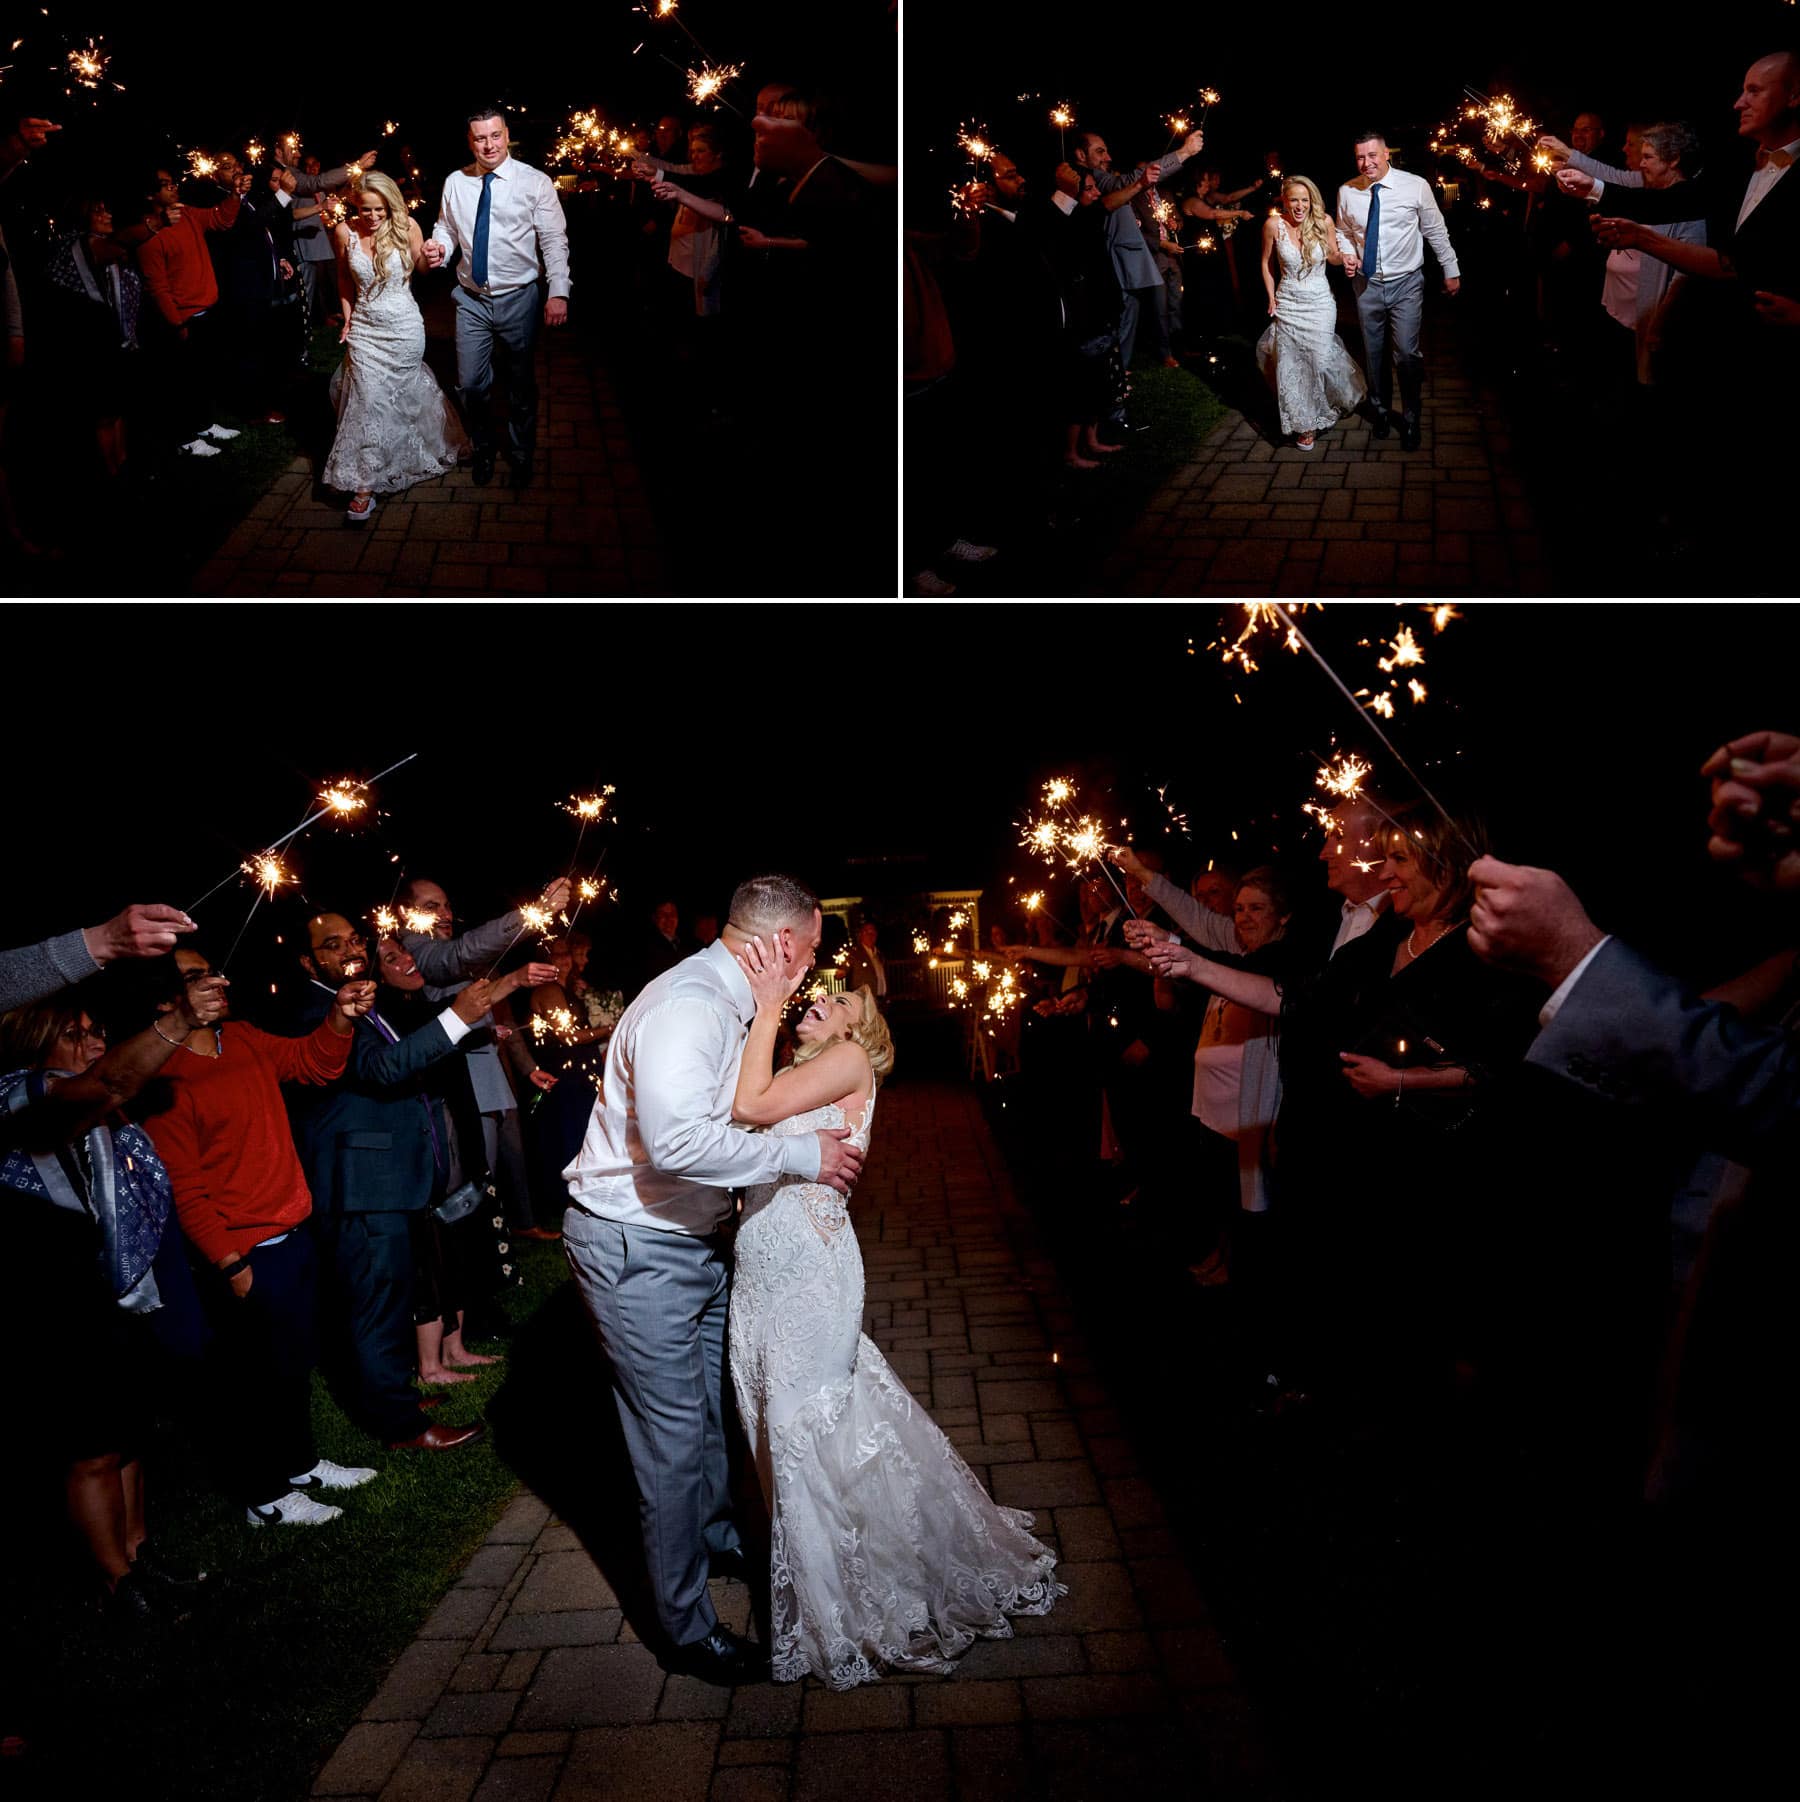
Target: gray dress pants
{"points": [[500, 328], [1392, 313], [658, 1301]]}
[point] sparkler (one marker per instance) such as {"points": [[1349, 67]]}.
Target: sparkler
{"points": [[419, 919], [1062, 116], [921, 944], [705, 82], [1337, 682], [1499, 126], [1080, 842], [254, 150], [290, 147], [1209, 98], [589, 889], [384, 922], [974, 143], [536, 917], [200, 165], [340, 798], [269, 872], [87, 65], [389, 127]]}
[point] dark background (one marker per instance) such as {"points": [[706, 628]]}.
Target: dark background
{"points": [[1304, 78], [193, 78], [875, 752]]}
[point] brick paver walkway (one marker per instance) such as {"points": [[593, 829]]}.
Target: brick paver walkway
{"points": [[1251, 518], [528, 1684], [583, 527]]}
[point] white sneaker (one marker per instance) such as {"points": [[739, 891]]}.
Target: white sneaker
{"points": [[200, 448], [293, 1510], [929, 582], [326, 1475], [965, 552], [223, 433]]}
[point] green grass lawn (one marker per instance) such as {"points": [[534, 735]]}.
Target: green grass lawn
{"points": [[1094, 508], [244, 1702]]}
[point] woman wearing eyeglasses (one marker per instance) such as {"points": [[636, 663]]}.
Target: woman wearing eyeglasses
{"points": [[86, 1201]]}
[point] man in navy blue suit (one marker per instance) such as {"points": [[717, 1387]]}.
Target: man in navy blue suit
{"points": [[374, 1147]]}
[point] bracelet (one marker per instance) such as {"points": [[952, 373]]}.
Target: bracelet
{"points": [[156, 1028]]}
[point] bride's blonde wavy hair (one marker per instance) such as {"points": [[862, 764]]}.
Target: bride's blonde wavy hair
{"points": [[396, 235], [1316, 228], [870, 1031]]}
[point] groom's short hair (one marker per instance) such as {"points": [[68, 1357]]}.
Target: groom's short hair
{"points": [[1364, 137], [767, 903], [487, 112]]}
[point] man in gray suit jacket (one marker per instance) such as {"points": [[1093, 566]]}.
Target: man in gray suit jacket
{"points": [[1140, 282], [448, 965]]}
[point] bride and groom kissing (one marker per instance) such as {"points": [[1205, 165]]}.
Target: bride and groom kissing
{"points": [[884, 1551], [396, 426]]}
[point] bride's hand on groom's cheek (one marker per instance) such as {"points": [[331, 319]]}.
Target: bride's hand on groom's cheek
{"points": [[766, 970]]}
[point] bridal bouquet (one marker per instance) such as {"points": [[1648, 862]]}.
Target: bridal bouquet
{"points": [[604, 1007]]}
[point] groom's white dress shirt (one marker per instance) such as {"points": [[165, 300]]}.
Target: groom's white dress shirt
{"points": [[660, 1149], [524, 214], [1409, 220]]}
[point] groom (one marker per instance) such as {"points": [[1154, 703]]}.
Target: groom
{"points": [[645, 1237], [1385, 218], [502, 215]]}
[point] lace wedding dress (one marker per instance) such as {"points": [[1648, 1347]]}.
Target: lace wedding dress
{"points": [[396, 426], [1301, 356], [886, 1551]]}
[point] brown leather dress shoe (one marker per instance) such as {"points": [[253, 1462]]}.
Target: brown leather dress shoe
{"points": [[437, 1438]]}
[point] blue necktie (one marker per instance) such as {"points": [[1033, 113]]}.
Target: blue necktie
{"points": [[478, 262], [1369, 237]]}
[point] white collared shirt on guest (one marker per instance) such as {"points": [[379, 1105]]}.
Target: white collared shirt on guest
{"points": [[1763, 179], [661, 1150], [1356, 919], [525, 217], [1409, 220]]}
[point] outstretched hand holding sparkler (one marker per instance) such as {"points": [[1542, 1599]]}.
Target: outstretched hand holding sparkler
{"points": [[145, 929]]}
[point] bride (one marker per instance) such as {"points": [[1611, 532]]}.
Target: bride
{"points": [[395, 424], [886, 1553], [1301, 356]]}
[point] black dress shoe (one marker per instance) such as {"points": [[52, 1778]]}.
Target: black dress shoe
{"points": [[1378, 426], [722, 1658], [521, 474], [481, 472], [133, 1606], [1409, 434], [730, 1564], [166, 1582]]}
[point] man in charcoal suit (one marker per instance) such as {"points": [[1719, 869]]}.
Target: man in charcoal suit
{"points": [[1140, 282]]}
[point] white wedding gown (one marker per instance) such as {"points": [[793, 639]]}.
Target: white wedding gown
{"points": [[886, 1551], [396, 426], [1316, 382]]}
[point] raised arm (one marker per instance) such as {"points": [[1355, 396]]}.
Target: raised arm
{"points": [[1261, 994], [765, 1095]]}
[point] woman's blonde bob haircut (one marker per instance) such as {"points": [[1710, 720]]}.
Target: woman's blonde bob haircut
{"points": [[870, 1031]]}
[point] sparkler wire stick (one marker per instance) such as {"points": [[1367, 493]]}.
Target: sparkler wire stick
{"points": [[1373, 724]]}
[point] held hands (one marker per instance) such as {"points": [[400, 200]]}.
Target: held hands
{"points": [[840, 1163], [202, 1003], [1140, 935], [1777, 309], [1530, 920], [771, 981], [142, 930], [1755, 806], [354, 1000], [433, 253], [1369, 1076]]}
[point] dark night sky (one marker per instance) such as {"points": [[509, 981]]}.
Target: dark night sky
{"points": [[871, 750]]}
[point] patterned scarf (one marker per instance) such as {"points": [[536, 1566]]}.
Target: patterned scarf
{"points": [[113, 1176]]}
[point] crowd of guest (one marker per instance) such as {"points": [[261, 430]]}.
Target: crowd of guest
{"points": [[1651, 264], [211, 1208], [1458, 1168]]}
